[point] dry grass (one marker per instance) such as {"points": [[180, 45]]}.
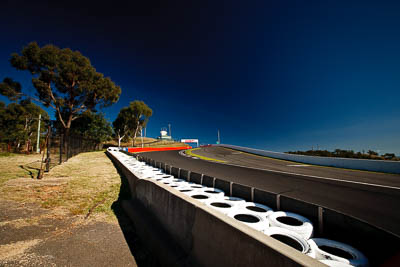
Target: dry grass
{"points": [[18, 166], [87, 182]]}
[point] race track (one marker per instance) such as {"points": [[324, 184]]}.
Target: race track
{"points": [[371, 197]]}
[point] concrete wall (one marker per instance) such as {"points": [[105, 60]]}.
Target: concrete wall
{"points": [[209, 238], [358, 164], [180, 218], [206, 237]]}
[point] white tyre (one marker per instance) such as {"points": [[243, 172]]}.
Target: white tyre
{"points": [[200, 196], [335, 263], [143, 175], [196, 186], [327, 249], [186, 190], [235, 200], [158, 176], [291, 239], [257, 208], [166, 181], [174, 185], [180, 181], [221, 205], [252, 220], [213, 191], [293, 222]]}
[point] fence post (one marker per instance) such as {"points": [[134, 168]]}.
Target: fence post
{"points": [[68, 146], [48, 150], [61, 146]]}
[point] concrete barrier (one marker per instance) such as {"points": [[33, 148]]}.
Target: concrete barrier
{"points": [[208, 181], [242, 191], [266, 198], [175, 172], [357, 164], [201, 235], [209, 238], [185, 175], [180, 219], [195, 177], [223, 185]]}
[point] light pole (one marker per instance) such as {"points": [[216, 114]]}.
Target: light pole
{"points": [[38, 135], [141, 134]]}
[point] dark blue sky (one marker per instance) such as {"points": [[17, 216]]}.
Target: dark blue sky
{"points": [[277, 75]]}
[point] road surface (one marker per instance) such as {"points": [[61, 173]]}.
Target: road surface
{"points": [[372, 197]]}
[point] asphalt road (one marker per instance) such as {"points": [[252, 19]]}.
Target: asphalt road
{"points": [[372, 197]]}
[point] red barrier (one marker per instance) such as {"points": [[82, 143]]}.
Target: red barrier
{"points": [[150, 149]]}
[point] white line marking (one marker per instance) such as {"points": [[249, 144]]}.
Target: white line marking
{"points": [[298, 165], [312, 176]]}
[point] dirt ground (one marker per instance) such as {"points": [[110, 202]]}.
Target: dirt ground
{"points": [[72, 217]]}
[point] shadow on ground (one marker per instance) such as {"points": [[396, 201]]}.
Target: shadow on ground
{"points": [[140, 252]]}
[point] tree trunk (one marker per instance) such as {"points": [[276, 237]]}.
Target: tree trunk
{"points": [[134, 137], [66, 142]]}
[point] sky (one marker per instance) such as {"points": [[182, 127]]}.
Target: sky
{"points": [[274, 75]]}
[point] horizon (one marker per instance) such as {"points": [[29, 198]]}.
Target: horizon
{"points": [[273, 76]]}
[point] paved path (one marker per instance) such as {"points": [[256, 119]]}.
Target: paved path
{"points": [[33, 236]]}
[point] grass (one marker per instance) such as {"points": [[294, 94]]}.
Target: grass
{"points": [[88, 183], [7, 154], [18, 166]]}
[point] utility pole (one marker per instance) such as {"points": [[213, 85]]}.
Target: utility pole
{"points": [[141, 134], [219, 141], [169, 126], [38, 135]]}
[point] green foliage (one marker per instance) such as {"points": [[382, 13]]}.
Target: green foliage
{"points": [[92, 126], [389, 156], [10, 89], [19, 122], [121, 123], [346, 154], [64, 80], [131, 119], [140, 112]]}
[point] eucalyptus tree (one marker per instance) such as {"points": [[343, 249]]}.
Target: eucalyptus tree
{"points": [[64, 80], [121, 124], [93, 126], [19, 122], [140, 116], [131, 119]]}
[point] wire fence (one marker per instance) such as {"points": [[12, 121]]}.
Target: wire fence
{"points": [[60, 149]]}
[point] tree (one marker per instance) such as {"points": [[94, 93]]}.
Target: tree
{"points": [[64, 80], [130, 119], [92, 126], [372, 153], [2, 120], [140, 116], [19, 122], [389, 156], [121, 124]]}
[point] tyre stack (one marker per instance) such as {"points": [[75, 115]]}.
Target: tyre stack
{"points": [[290, 228]]}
